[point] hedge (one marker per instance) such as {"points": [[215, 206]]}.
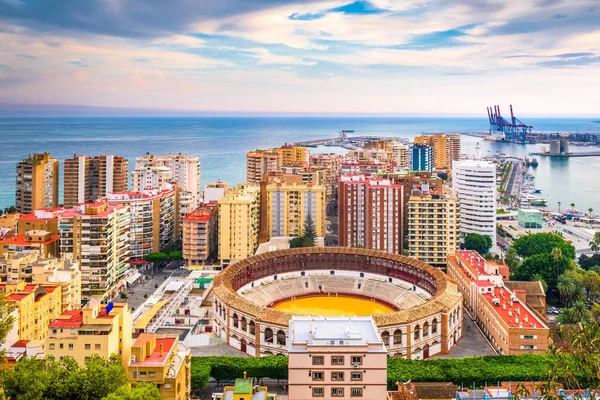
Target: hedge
{"points": [[467, 371]]}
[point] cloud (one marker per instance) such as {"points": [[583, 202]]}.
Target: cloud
{"points": [[266, 57]]}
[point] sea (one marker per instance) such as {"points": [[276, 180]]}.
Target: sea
{"points": [[221, 144]]}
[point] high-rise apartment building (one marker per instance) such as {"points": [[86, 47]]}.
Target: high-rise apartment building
{"points": [[214, 191], [86, 179], [438, 144], [155, 218], [200, 235], [95, 329], [399, 153], [37, 183], [433, 224], [474, 184], [422, 158], [239, 221], [259, 162], [151, 172], [370, 213], [289, 205], [453, 148], [293, 156], [331, 164], [97, 236]]}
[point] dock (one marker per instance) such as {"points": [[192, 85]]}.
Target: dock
{"points": [[577, 154]]}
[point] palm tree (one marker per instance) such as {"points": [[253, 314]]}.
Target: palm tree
{"points": [[559, 206], [538, 277], [557, 255], [566, 287], [579, 312], [590, 211], [572, 207]]}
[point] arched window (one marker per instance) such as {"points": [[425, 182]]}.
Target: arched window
{"points": [[281, 338], [244, 324], [397, 336], [434, 325], [385, 337], [426, 329], [268, 335], [252, 328], [236, 322], [417, 334]]}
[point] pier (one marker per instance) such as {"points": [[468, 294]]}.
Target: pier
{"points": [[576, 154], [342, 140]]}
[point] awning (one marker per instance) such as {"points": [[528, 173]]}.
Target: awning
{"points": [[134, 277], [203, 280]]}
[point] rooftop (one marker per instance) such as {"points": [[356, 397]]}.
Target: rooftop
{"points": [[157, 357], [510, 309], [22, 240], [68, 319], [78, 211]]}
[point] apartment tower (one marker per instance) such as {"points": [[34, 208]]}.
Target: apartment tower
{"points": [[37, 183]]}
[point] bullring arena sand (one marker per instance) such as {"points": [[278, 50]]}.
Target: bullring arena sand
{"points": [[330, 306]]}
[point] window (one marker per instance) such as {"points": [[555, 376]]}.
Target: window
{"points": [[337, 360], [356, 392], [134, 374], [356, 376], [151, 374], [61, 346], [317, 376], [434, 326], [54, 331], [70, 346], [318, 392], [528, 347], [88, 346], [528, 337], [356, 360], [337, 376], [397, 336], [96, 347], [143, 373], [269, 335], [317, 360], [51, 346], [337, 392], [281, 338]]}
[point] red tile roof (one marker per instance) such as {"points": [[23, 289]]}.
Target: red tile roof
{"points": [[68, 319], [155, 358], [21, 240], [514, 314], [20, 343]]}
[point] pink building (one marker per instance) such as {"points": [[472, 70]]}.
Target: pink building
{"points": [[336, 358]]}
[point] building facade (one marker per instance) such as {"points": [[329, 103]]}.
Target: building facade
{"points": [[439, 149], [336, 357], [239, 223], [453, 148], [289, 205], [259, 162], [43, 243], [214, 191], [433, 225], [97, 236], [155, 218], [200, 235], [43, 219], [474, 185], [422, 158], [86, 179], [37, 183], [331, 164], [510, 325], [370, 213], [164, 362], [95, 329]]}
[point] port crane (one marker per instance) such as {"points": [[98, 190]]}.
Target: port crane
{"points": [[513, 131]]}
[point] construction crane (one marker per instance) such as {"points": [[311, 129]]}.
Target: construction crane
{"points": [[511, 131]]}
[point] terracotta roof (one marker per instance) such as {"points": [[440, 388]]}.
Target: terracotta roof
{"points": [[68, 319], [532, 288], [20, 343], [155, 358], [514, 314], [21, 240]]}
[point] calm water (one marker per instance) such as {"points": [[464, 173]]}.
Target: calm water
{"points": [[221, 144]]}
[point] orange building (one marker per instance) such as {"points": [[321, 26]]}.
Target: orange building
{"points": [[37, 183], [9, 221], [200, 235], [503, 315], [44, 243], [43, 219]]}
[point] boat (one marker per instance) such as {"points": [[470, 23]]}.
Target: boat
{"points": [[537, 191]]}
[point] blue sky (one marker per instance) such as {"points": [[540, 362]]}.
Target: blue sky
{"points": [[405, 57]]}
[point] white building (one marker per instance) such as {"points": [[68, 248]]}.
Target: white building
{"points": [[336, 357], [185, 170], [474, 184], [214, 191]]}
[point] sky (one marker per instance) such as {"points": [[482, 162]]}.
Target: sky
{"points": [[405, 57]]}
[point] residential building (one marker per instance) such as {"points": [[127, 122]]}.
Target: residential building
{"points": [[353, 166], [438, 144], [86, 179], [239, 222], [453, 148], [259, 162], [33, 269], [370, 213], [154, 218], [37, 183], [38, 304], [200, 235], [433, 224], [185, 171], [163, 361], [510, 325], [43, 219], [399, 153], [331, 164], [214, 191], [102, 329], [9, 221], [474, 184], [289, 205], [292, 155], [336, 357], [371, 154], [422, 158], [97, 236], [43, 243]]}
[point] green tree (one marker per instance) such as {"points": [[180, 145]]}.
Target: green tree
{"points": [[572, 207], [443, 176], [538, 278], [590, 211], [139, 391], [591, 283], [567, 288], [512, 258], [540, 265], [176, 255], [595, 243], [309, 235], [544, 242], [156, 258], [6, 320], [480, 243], [587, 262]]}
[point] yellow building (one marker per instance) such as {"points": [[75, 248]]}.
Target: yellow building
{"points": [[32, 268], [438, 146], [38, 304], [259, 162], [239, 220], [43, 219], [37, 183], [41, 242], [244, 389], [9, 221], [288, 205], [163, 361], [399, 153], [293, 155], [95, 329], [433, 227]]}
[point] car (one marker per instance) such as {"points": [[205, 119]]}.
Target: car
{"points": [[556, 310], [549, 310]]}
